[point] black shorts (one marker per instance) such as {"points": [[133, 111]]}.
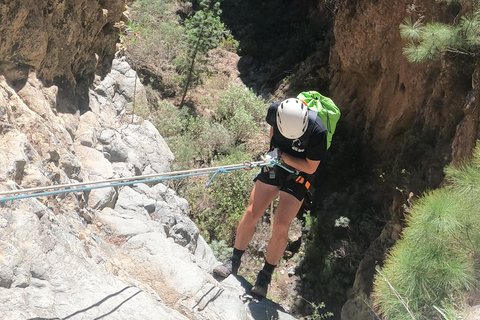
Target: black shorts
{"points": [[296, 185]]}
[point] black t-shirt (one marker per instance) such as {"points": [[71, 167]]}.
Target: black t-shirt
{"points": [[312, 144]]}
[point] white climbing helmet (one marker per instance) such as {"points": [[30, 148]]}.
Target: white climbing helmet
{"points": [[292, 118]]}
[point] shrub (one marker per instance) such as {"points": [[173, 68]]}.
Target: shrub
{"points": [[218, 209], [238, 96], [149, 11], [241, 111], [221, 250], [184, 149], [170, 121], [158, 43], [214, 139]]}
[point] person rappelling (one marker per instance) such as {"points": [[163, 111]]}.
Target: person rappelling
{"points": [[298, 141]]}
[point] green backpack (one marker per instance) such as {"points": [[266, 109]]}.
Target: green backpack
{"points": [[325, 108]]}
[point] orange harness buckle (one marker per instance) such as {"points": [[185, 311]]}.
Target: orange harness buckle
{"points": [[303, 181]]}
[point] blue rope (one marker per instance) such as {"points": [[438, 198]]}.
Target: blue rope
{"points": [[48, 193], [214, 175], [246, 165]]}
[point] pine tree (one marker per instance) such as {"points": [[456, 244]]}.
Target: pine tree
{"points": [[429, 41], [204, 31]]}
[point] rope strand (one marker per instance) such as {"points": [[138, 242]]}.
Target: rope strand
{"points": [[85, 186]]}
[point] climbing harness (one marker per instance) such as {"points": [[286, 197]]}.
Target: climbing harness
{"points": [[289, 170], [85, 186], [303, 181]]}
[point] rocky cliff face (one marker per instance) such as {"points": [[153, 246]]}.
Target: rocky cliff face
{"points": [[411, 118], [393, 100], [65, 42], [118, 252], [125, 252]]}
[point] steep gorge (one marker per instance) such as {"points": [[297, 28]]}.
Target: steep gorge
{"points": [[412, 119], [401, 121], [401, 124]]}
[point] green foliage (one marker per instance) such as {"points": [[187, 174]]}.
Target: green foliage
{"points": [[203, 32], [172, 124], [470, 29], [225, 199], [412, 30], [342, 222], [170, 120], [150, 11], [317, 310], [128, 33], [160, 41], [229, 43], [210, 137], [435, 263], [429, 41], [238, 96], [198, 141], [310, 221], [184, 149], [241, 112], [160, 28], [195, 139], [221, 249]]}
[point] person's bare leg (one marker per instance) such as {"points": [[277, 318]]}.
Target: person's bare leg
{"points": [[260, 198], [286, 211]]}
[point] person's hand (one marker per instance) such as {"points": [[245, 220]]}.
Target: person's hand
{"points": [[271, 155]]}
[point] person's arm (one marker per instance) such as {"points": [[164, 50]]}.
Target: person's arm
{"points": [[305, 165]]}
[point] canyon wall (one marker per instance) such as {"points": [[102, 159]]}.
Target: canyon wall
{"points": [[65, 42], [117, 252], [412, 119]]}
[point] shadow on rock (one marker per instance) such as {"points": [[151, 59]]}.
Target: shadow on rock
{"points": [[96, 305], [260, 308]]}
